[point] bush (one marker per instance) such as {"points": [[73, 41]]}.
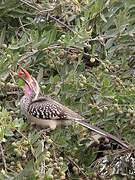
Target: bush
{"points": [[83, 55]]}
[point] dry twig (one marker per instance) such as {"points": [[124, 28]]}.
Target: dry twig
{"points": [[3, 157]]}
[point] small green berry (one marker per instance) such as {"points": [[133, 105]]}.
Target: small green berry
{"points": [[25, 142], [14, 144], [117, 66], [133, 114], [63, 36], [43, 87], [94, 174], [75, 149], [61, 163], [131, 111], [76, 160], [47, 138], [12, 163], [107, 61], [48, 152], [62, 177], [8, 56], [81, 85], [59, 41], [92, 60], [55, 164], [4, 46], [116, 105], [105, 108], [106, 140], [58, 168], [24, 156], [60, 158], [51, 160], [47, 159], [100, 110], [19, 165], [50, 141], [50, 176], [26, 149], [55, 176], [11, 167], [127, 114], [106, 70], [75, 169]]}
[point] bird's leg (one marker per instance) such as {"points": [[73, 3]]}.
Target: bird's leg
{"points": [[32, 123], [51, 127], [45, 131], [40, 129]]}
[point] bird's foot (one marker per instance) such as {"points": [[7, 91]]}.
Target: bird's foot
{"points": [[45, 131]]}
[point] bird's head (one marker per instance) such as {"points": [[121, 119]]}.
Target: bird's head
{"points": [[31, 87]]}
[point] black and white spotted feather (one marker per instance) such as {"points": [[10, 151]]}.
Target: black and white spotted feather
{"points": [[46, 108]]}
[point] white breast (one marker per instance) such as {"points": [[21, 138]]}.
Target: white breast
{"points": [[44, 123]]}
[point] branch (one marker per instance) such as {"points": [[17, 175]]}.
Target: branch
{"points": [[79, 169], [41, 11], [3, 157], [63, 24]]}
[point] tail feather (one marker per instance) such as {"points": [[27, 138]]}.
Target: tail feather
{"points": [[101, 132]]}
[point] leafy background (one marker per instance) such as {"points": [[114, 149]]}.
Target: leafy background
{"points": [[83, 55]]}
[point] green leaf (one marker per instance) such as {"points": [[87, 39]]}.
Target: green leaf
{"points": [[33, 137], [103, 17]]}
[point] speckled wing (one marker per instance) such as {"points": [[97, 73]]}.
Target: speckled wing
{"points": [[49, 113], [47, 108]]}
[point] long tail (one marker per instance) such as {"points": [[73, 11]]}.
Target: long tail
{"points": [[101, 132]]}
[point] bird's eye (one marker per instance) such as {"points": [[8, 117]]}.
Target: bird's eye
{"points": [[21, 74]]}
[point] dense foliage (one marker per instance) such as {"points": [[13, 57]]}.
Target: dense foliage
{"points": [[83, 54]]}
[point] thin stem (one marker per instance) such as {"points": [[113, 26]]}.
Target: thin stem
{"points": [[3, 157]]}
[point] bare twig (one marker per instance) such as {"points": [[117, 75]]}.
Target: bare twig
{"points": [[63, 24], [12, 76], [12, 93], [101, 38], [22, 25], [79, 169], [21, 134], [9, 169], [43, 12], [40, 75], [8, 85], [3, 157], [27, 55], [30, 5]]}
